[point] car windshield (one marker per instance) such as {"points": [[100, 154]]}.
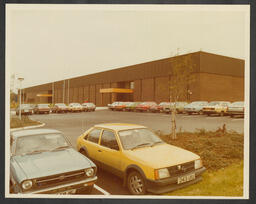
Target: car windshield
{"points": [[39, 143], [213, 103], [198, 103], [43, 105], [25, 106], [60, 104], [133, 138], [238, 103]]}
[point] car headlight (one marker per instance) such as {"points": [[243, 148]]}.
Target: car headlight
{"points": [[198, 164], [27, 184], [161, 173], [89, 172]]}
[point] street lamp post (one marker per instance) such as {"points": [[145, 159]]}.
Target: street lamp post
{"points": [[20, 79]]}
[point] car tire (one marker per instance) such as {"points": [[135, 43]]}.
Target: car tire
{"points": [[221, 113], [136, 183], [200, 112]]}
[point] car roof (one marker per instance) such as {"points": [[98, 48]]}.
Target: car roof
{"points": [[119, 126], [21, 133]]}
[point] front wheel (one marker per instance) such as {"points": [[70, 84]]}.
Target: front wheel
{"points": [[136, 183]]}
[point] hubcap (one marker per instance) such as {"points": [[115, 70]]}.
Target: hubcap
{"points": [[136, 184]]}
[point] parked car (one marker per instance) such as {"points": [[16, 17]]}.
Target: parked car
{"points": [[180, 106], [60, 108], [26, 109], [158, 108], [236, 108], [195, 107], [75, 107], [216, 107], [120, 106], [44, 162], [42, 108], [167, 107], [88, 107], [140, 158], [131, 106], [112, 106], [145, 106]]}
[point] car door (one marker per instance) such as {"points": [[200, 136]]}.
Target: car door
{"points": [[109, 152], [91, 142]]}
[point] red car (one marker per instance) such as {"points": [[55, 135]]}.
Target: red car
{"points": [[145, 106], [120, 106]]}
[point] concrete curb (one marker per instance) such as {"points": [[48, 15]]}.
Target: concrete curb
{"points": [[27, 127], [101, 108]]}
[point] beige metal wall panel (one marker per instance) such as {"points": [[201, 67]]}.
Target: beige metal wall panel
{"points": [[147, 92], [75, 95], [81, 94], [98, 95], [219, 87], [137, 90], [71, 93], [162, 89], [86, 93], [92, 94], [106, 96]]}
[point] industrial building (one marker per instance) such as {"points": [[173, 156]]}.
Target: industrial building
{"points": [[217, 78]]}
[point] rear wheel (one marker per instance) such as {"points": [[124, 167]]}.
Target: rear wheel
{"points": [[136, 183], [221, 113]]}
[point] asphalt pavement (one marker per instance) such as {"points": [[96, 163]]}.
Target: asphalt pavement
{"points": [[74, 124]]}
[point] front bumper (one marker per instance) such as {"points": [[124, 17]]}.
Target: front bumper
{"points": [[87, 183], [210, 112], [170, 184]]}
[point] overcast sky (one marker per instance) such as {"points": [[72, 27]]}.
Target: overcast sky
{"points": [[50, 43]]}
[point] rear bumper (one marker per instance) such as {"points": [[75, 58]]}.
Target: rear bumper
{"points": [[235, 112], [87, 183], [170, 184]]}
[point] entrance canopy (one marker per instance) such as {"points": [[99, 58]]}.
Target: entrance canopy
{"points": [[116, 90], [44, 95]]}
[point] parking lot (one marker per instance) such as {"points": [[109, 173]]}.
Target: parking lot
{"points": [[74, 124]]}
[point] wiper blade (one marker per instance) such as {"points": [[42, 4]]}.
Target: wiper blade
{"points": [[140, 145], [35, 152], [59, 148]]}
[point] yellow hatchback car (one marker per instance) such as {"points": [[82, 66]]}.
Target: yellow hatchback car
{"points": [[141, 158]]}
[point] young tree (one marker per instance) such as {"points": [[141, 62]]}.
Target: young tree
{"points": [[181, 77]]}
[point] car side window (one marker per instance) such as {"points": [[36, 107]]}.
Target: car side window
{"points": [[108, 139], [94, 135]]}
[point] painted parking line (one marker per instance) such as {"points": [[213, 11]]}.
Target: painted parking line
{"points": [[101, 190]]}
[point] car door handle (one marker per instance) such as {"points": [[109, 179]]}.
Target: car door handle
{"points": [[99, 150]]}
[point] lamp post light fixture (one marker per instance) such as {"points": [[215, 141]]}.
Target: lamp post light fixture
{"points": [[20, 79]]}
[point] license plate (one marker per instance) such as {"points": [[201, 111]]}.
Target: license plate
{"points": [[72, 191], [186, 178]]}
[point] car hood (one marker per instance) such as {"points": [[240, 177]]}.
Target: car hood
{"points": [[50, 163], [161, 155]]}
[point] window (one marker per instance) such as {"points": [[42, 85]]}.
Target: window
{"points": [[94, 135], [108, 139]]}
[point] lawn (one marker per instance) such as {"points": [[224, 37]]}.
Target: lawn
{"points": [[15, 122], [222, 155], [224, 182]]}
